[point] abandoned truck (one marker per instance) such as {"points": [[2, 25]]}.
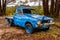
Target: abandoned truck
{"points": [[24, 17]]}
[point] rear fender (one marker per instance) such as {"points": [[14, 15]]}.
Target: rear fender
{"points": [[9, 18]]}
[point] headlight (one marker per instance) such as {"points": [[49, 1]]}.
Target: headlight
{"points": [[39, 22]]}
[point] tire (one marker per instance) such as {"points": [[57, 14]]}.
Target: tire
{"points": [[46, 29], [10, 22], [28, 28]]}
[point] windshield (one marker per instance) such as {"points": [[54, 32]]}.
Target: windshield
{"points": [[28, 11]]}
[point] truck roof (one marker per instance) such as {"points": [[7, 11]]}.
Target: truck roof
{"points": [[23, 7]]}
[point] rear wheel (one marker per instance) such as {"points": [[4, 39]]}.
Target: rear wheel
{"points": [[10, 22], [28, 28]]}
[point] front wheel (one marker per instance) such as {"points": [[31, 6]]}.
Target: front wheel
{"points": [[28, 28], [47, 28]]}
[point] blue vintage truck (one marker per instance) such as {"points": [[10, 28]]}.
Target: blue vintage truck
{"points": [[24, 17]]}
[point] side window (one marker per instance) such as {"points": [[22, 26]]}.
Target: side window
{"points": [[19, 12]]}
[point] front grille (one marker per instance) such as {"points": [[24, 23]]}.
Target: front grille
{"points": [[45, 21]]}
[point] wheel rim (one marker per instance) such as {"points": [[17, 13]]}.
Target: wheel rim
{"points": [[28, 29], [9, 23]]}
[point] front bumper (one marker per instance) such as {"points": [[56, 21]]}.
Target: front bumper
{"points": [[49, 23], [44, 25]]}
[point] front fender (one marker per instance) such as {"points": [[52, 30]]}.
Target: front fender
{"points": [[32, 21]]}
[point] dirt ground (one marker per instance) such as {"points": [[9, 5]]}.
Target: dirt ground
{"points": [[17, 33]]}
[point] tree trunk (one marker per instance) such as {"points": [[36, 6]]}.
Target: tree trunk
{"points": [[0, 7], [39, 3], [59, 9], [46, 7], [52, 8], [56, 9], [4, 7]]}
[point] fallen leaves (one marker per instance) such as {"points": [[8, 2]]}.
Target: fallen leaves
{"points": [[17, 33]]}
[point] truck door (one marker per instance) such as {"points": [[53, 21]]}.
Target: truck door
{"points": [[18, 18]]}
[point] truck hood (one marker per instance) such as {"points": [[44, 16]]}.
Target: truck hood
{"points": [[40, 17]]}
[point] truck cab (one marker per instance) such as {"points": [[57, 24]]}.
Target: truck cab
{"points": [[24, 17]]}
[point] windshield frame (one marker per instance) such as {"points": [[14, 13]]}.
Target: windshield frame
{"points": [[28, 9]]}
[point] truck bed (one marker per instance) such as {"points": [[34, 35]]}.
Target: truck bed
{"points": [[8, 17]]}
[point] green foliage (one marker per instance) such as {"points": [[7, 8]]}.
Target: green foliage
{"points": [[10, 10], [38, 10]]}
